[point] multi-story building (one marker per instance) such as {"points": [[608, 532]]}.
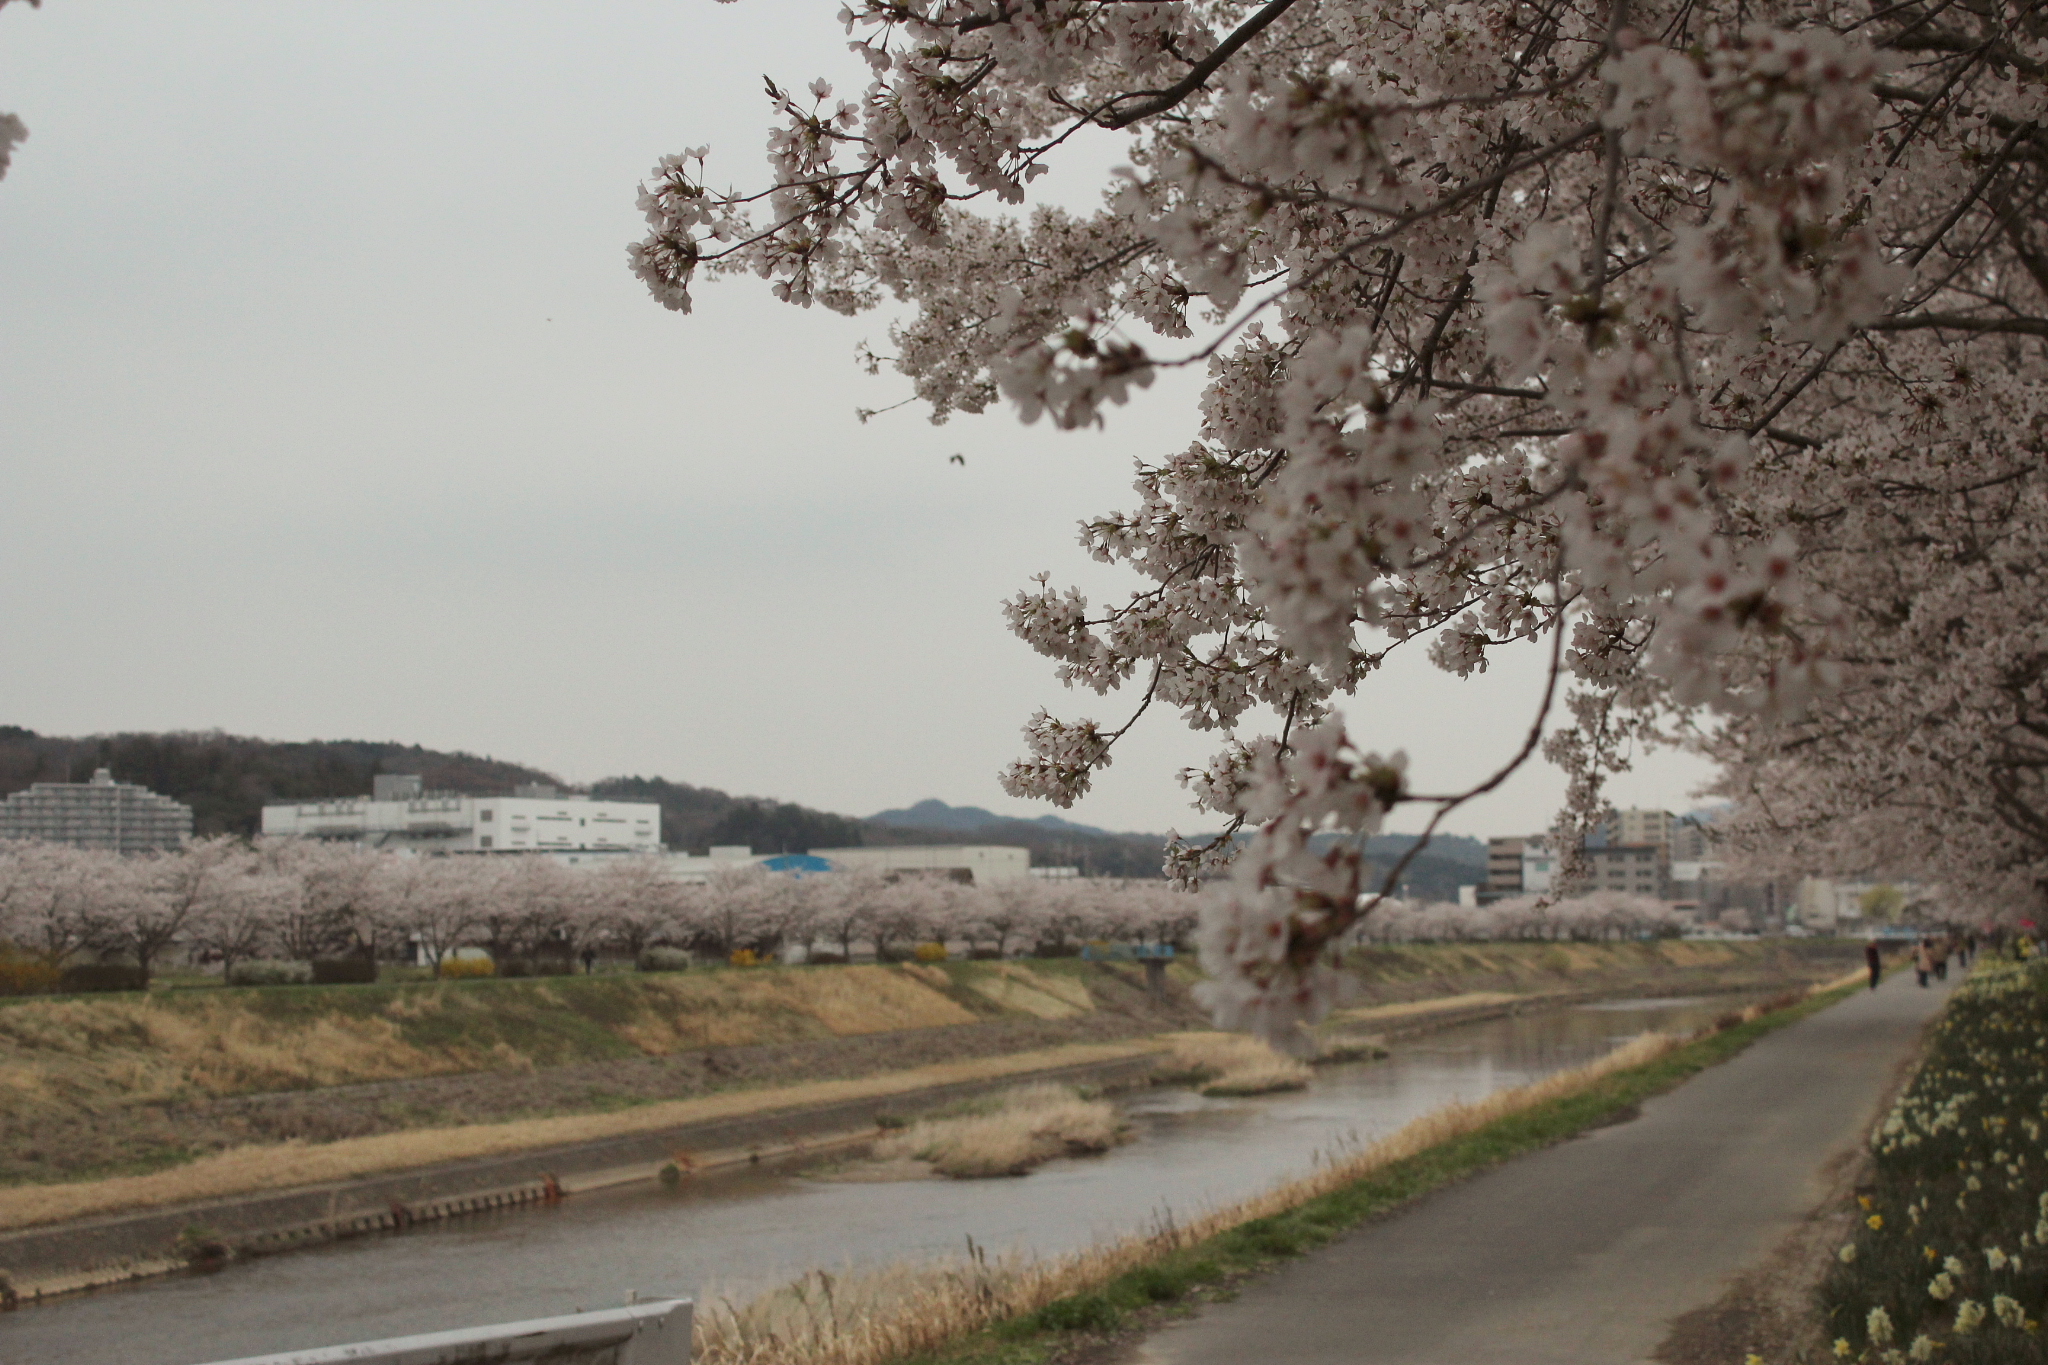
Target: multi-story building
{"points": [[1635, 869], [1689, 842], [1503, 869], [1636, 826], [101, 813], [400, 814]]}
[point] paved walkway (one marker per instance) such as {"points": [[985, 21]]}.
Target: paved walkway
{"points": [[1584, 1252]]}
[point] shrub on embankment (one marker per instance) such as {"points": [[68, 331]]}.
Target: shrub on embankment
{"points": [[1950, 1256]]}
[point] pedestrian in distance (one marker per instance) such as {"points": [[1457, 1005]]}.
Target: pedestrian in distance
{"points": [[1875, 961], [1941, 950], [1923, 961], [589, 961]]}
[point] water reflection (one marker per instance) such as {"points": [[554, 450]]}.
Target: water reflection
{"points": [[739, 1233]]}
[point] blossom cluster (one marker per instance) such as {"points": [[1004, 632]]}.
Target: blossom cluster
{"points": [[1701, 341]]}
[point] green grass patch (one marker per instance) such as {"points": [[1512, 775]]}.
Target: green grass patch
{"points": [[1250, 1248]]}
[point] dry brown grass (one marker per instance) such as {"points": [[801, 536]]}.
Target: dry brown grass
{"points": [[878, 1316], [248, 1170], [159, 1048], [1021, 1129], [1236, 1063], [1016, 987]]}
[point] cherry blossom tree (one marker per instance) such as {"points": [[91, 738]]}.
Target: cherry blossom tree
{"points": [[239, 922], [162, 898], [1520, 323], [729, 910], [1004, 913], [843, 905], [634, 902], [434, 903], [56, 897]]}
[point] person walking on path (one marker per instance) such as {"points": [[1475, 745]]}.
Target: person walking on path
{"points": [[1923, 962], [1941, 951], [1875, 961]]}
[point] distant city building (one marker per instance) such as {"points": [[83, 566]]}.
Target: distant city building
{"points": [[1633, 869], [101, 813], [1637, 826], [1689, 843], [1539, 865], [1503, 869], [400, 814], [977, 863]]}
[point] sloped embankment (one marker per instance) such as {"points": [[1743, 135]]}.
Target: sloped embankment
{"points": [[112, 1085], [117, 1085], [1399, 973]]}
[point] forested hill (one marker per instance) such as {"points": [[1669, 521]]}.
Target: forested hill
{"points": [[227, 778], [694, 818]]}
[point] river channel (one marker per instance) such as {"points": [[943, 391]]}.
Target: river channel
{"points": [[741, 1233]]}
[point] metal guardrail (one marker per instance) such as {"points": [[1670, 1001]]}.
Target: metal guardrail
{"points": [[656, 1332]]}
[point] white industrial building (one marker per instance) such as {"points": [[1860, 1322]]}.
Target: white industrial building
{"points": [[977, 863], [399, 814]]}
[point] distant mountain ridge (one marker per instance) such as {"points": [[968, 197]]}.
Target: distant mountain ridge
{"points": [[934, 814]]}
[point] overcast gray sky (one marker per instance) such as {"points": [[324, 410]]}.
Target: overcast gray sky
{"points": [[329, 410]]}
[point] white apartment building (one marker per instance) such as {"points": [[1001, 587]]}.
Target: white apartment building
{"points": [[101, 813], [398, 814]]}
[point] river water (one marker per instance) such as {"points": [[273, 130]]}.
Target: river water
{"points": [[741, 1233]]}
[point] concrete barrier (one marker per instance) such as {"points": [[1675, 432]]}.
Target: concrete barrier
{"points": [[653, 1333]]}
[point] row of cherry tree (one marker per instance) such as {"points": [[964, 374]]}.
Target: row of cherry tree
{"points": [[1599, 915], [221, 900], [226, 901]]}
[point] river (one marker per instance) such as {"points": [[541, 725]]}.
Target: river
{"points": [[739, 1233]]}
